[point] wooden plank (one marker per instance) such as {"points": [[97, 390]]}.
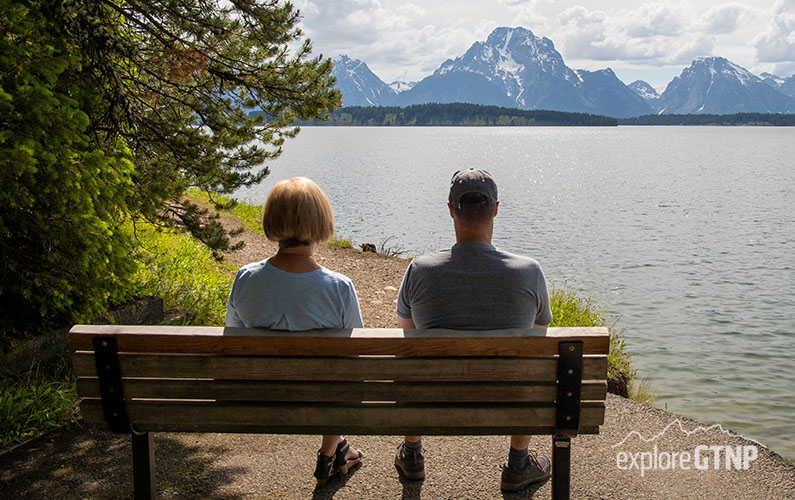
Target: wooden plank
{"points": [[339, 392], [147, 416], [359, 341], [465, 369]]}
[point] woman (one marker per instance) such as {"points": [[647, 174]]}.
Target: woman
{"points": [[291, 291]]}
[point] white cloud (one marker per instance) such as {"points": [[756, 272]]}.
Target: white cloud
{"points": [[777, 44], [595, 35], [408, 41], [700, 46], [654, 33], [726, 18], [654, 19]]}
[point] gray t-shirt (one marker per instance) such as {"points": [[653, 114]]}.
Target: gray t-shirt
{"points": [[474, 286], [267, 297]]}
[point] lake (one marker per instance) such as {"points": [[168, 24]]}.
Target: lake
{"points": [[685, 233]]}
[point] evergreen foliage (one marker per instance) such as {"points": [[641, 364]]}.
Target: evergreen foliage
{"points": [[756, 119], [114, 109], [65, 186], [458, 114]]}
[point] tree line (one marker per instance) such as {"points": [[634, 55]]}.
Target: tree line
{"points": [[457, 114], [761, 119], [110, 111]]}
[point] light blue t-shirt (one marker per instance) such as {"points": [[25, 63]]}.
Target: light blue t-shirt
{"points": [[267, 297]]}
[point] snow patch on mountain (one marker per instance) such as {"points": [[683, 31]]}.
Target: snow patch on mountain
{"points": [[400, 86]]}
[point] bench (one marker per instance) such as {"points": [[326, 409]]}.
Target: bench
{"points": [[145, 379]]}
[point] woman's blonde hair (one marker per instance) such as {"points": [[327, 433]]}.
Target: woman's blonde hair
{"points": [[297, 213]]}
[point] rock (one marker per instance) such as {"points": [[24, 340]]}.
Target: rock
{"points": [[145, 311], [390, 289], [368, 247], [618, 383]]}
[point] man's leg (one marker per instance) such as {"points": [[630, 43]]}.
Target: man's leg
{"points": [[409, 459], [523, 467]]}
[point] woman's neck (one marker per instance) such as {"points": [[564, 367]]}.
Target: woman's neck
{"points": [[295, 259]]}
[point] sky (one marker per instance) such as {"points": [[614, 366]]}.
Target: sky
{"points": [[647, 40]]}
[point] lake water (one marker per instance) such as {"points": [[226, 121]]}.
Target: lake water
{"points": [[686, 233]]}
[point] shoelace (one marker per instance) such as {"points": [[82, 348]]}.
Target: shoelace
{"points": [[404, 454], [533, 455]]}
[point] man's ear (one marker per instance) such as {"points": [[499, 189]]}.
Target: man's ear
{"points": [[496, 208], [450, 208]]}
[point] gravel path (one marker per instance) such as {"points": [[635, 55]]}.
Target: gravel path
{"points": [[79, 463]]}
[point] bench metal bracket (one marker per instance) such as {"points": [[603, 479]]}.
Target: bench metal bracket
{"points": [[106, 356], [567, 414]]}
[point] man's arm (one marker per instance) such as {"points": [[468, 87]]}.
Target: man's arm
{"points": [[406, 323]]}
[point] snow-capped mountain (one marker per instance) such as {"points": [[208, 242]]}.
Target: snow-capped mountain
{"points": [[644, 90], [401, 86], [784, 85], [515, 68], [647, 93], [359, 85], [715, 85]]}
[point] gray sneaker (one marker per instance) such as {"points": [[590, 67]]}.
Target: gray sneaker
{"points": [[410, 464], [537, 470]]}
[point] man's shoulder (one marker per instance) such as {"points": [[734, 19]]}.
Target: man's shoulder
{"points": [[431, 259], [515, 257]]}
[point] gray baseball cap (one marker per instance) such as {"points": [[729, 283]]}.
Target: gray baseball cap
{"points": [[472, 181]]}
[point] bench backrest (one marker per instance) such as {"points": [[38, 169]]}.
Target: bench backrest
{"points": [[360, 381]]}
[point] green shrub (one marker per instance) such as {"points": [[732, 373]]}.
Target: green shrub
{"points": [[248, 214], [339, 242], [569, 310], [182, 271], [65, 186], [40, 400]]}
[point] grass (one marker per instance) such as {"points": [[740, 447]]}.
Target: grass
{"points": [[183, 272], [570, 310], [390, 250], [248, 214], [36, 401], [339, 242]]}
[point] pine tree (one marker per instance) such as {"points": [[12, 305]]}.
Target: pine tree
{"points": [[112, 109]]}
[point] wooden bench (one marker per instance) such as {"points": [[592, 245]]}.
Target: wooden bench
{"points": [[145, 379]]}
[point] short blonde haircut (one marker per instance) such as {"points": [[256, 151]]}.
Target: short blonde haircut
{"points": [[297, 213]]}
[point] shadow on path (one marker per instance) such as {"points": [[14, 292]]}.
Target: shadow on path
{"points": [[83, 462]]}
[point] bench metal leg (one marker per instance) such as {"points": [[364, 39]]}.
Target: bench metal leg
{"points": [[143, 448], [561, 467]]}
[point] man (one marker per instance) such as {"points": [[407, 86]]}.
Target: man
{"points": [[475, 286]]}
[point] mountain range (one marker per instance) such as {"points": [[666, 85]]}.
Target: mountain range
{"points": [[515, 68]]}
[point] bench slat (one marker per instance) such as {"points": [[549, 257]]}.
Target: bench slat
{"points": [[316, 418], [245, 390], [542, 369], [358, 341]]}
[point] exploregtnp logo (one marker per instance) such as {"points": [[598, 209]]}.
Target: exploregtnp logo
{"points": [[676, 448]]}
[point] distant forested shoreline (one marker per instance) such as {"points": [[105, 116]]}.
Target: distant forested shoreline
{"points": [[457, 114], [754, 119], [476, 115]]}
